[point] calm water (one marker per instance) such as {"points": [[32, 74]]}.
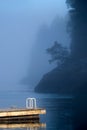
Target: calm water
{"points": [[59, 112]]}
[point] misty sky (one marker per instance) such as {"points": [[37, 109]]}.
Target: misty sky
{"points": [[20, 21]]}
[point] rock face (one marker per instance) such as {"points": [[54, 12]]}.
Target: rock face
{"points": [[67, 79]]}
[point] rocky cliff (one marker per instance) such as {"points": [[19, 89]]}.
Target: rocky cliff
{"points": [[66, 79]]}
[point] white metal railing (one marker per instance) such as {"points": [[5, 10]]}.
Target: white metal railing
{"points": [[31, 103]]}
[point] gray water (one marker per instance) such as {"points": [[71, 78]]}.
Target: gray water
{"points": [[59, 110]]}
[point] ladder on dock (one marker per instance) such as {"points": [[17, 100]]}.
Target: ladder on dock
{"points": [[31, 103]]}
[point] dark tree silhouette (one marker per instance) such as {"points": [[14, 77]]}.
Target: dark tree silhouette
{"points": [[78, 27], [58, 53]]}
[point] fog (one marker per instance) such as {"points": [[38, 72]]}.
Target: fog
{"points": [[45, 38], [20, 24]]}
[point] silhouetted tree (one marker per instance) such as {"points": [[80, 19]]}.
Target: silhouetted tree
{"points": [[58, 53], [78, 27]]}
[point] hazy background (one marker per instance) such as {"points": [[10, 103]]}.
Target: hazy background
{"points": [[27, 28]]}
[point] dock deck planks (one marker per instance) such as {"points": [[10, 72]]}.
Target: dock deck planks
{"points": [[21, 112]]}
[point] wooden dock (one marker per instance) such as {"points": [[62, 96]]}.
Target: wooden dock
{"points": [[30, 114], [20, 115], [21, 112]]}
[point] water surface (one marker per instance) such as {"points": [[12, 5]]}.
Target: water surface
{"points": [[59, 110]]}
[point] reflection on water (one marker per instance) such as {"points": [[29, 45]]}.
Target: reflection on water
{"points": [[28, 126], [59, 113], [59, 110]]}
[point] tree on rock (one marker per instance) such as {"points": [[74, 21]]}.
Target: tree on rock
{"points": [[58, 53]]}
